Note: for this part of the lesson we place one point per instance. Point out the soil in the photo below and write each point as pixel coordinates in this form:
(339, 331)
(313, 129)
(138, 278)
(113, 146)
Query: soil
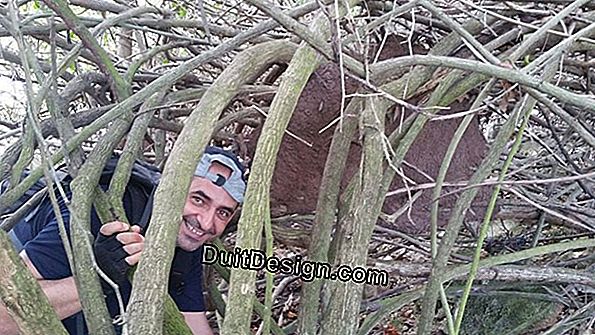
(299, 168)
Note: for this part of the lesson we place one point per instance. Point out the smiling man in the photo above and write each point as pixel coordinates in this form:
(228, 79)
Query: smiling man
(215, 193)
(214, 196)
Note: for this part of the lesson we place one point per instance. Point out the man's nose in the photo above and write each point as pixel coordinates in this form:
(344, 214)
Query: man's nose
(207, 224)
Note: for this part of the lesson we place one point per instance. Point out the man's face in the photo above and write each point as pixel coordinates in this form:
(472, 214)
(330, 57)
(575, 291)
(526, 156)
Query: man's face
(208, 210)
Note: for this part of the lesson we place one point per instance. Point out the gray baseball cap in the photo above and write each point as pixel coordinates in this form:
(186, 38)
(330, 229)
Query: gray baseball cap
(235, 185)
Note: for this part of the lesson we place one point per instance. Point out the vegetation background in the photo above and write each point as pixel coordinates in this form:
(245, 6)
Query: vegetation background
(476, 117)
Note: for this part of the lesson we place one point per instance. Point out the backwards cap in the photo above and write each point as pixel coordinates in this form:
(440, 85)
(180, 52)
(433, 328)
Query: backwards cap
(235, 184)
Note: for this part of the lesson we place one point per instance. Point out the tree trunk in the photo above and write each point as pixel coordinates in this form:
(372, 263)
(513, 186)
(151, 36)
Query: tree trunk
(150, 283)
(22, 295)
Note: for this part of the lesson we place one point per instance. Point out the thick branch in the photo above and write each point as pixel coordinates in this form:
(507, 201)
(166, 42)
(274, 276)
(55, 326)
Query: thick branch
(563, 95)
(22, 295)
(146, 302)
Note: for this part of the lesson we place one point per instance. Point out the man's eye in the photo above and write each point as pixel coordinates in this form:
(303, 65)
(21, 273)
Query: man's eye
(198, 200)
(224, 214)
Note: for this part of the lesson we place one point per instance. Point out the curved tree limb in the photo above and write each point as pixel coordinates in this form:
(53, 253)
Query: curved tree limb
(22, 295)
(146, 302)
(579, 100)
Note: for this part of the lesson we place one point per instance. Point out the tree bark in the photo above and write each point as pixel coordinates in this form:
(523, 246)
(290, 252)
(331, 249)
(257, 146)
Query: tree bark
(150, 283)
(22, 295)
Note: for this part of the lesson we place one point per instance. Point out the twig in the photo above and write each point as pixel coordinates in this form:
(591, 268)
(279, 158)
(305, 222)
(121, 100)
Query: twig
(339, 56)
(393, 303)
(578, 100)
(526, 106)
(574, 5)
(549, 211)
(465, 185)
(286, 131)
(475, 46)
(159, 84)
(567, 156)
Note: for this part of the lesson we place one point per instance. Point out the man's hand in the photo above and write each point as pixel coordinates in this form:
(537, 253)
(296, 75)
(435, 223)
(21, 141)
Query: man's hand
(117, 247)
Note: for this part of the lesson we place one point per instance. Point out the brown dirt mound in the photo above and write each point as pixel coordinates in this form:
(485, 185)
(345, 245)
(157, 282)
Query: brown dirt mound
(299, 168)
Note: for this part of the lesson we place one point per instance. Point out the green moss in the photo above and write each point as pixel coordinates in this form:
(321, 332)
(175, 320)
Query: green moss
(507, 313)
(174, 321)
